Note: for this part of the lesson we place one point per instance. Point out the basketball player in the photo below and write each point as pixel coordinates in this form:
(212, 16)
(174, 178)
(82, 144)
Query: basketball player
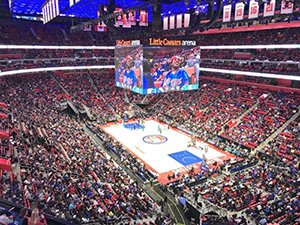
(159, 129)
(193, 141)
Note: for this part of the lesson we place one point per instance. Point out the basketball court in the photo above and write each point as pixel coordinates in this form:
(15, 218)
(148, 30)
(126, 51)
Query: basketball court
(164, 150)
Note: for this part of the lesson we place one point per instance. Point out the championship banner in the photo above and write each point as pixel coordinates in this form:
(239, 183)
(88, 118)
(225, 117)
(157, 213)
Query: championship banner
(253, 9)
(48, 12)
(227, 13)
(45, 14)
(125, 21)
(52, 9)
(143, 18)
(172, 22)
(100, 26)
(71, 3)
(269, 9)
(286, 7)
(119, 19)
(132, 18)
(186, 20)
(166, 23)
(239, 11)
(179, 21)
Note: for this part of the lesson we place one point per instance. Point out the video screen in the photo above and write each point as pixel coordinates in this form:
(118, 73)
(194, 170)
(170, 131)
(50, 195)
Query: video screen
(129, 68)
(170, 69)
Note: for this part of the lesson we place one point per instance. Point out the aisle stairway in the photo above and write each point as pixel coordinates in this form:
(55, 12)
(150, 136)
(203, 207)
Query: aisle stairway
(99, 93)
(278, 131)
(239, 119)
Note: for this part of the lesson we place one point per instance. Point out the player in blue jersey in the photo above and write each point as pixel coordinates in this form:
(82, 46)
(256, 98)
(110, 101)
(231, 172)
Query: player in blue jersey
(176, 78)
(129, 78)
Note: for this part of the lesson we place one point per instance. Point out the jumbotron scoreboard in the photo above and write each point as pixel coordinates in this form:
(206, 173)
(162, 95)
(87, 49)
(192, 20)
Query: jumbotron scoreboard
(161, 66)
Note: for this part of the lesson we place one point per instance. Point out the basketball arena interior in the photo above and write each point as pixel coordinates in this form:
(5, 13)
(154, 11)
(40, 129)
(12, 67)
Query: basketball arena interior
(149, 112)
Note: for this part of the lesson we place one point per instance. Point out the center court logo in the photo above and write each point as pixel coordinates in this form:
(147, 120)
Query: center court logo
(155, 139)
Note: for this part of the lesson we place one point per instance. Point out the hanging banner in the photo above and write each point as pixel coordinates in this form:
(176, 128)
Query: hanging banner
(166, 23)
(186, 20)
(172, 22)
(253, 9)
(239, 11)
(179, 21)
(101, 26)
(71, 3)
(143, 18)
(119, 19)
(132, 18)
(269, 9)
(286, 7)
(227, 13)
(125, 21)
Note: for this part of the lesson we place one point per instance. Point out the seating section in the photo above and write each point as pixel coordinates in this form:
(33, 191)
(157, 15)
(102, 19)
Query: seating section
(264, 120)
(252, 54)
(61, 166)
(285, 147)
(11, 59)
(262, 190)
(64, 157)
(36, 33)
(264, 67)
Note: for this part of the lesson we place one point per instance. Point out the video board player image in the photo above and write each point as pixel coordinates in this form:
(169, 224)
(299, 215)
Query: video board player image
(129, 68)
(171, 69)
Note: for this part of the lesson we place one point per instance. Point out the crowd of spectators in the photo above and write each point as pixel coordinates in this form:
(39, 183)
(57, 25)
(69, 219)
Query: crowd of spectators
(9, 54)
(55, 154)
(27, 58)
(273, 110)
(252, 54)
(61, 167)
(268, 194)
(256, 66)
(285, 147)
(278, 61)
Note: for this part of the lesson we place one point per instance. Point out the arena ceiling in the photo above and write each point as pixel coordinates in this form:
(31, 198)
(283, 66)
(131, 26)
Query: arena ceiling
(88, 8)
